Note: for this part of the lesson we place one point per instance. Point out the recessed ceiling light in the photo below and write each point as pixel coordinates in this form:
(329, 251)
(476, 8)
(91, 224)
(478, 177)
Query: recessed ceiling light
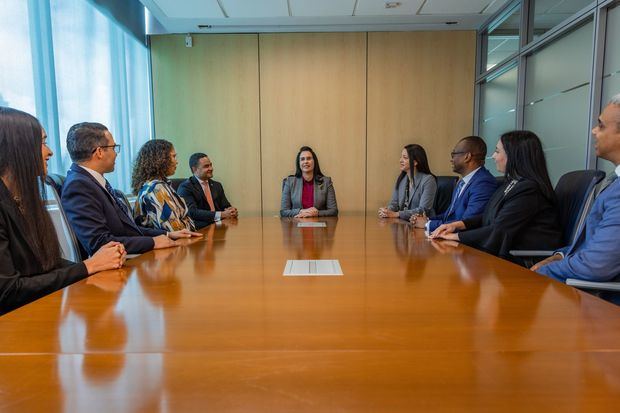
(392, 4)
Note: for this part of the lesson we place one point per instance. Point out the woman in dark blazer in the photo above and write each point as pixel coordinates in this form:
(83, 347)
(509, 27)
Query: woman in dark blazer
(416, 186)
(521, 213)
(30, 262)
(308, 193)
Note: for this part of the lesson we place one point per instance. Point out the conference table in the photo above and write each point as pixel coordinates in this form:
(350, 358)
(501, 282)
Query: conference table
(410, 325)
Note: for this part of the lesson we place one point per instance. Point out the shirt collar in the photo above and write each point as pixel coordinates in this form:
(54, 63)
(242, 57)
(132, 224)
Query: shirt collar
(617, 170)
(98, 177)
(470, 175)
(200, 181)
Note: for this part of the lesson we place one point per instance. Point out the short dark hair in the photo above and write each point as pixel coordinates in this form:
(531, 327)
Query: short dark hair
(194, 159)
(476, 146)
(83, 138)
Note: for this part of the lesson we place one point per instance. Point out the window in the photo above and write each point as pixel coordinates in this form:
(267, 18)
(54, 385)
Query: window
(97, 72)
(611, 67)
(550, 13)
(16, 76)
(502, 38)
(557, 99)
(498, 101)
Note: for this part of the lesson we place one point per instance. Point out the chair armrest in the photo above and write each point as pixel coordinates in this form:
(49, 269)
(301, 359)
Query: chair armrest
(531, 253)
(592, 285)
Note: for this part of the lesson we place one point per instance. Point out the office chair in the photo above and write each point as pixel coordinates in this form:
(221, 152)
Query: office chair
(175, 182)
(575, 195)
(443, 198)
(70, 249)
(56, 181)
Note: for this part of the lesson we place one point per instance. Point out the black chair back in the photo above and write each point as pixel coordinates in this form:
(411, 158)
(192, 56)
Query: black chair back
(55, 181)
(443, 198)
(175, 182)
(575, 194)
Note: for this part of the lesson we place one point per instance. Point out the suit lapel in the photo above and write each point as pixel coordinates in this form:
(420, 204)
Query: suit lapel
(122, 215)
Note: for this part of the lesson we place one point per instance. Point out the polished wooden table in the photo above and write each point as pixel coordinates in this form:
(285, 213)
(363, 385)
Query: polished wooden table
(412, 325)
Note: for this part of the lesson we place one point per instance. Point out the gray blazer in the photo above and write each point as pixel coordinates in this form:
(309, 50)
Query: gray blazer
(421, 196)
(324, 197)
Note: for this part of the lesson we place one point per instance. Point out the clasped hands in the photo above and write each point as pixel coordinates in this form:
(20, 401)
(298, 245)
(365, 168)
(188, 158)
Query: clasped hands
(307, 213)
(448, 231)
(168, 240)
(387, 213)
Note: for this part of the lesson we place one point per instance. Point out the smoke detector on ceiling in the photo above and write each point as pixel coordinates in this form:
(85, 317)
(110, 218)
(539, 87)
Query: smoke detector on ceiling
(392, 4)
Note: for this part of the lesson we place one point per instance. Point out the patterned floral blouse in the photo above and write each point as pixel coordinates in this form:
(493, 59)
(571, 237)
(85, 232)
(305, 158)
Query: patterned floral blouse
(159, 206)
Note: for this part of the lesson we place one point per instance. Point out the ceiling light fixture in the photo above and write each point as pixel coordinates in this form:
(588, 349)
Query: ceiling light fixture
(392, 4)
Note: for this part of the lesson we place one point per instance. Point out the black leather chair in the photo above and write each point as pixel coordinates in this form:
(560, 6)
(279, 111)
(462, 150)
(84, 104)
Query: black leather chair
(575, 194)
(175, 182)
(443, 198)
(69, 246)
(56, 181)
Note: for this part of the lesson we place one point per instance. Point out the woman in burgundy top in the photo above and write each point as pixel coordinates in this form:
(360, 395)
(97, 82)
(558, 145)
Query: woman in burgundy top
(308, 193)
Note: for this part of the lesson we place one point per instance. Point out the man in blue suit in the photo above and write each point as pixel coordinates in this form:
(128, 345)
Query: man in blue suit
(474, 189)
(594, 255)
(92, 206)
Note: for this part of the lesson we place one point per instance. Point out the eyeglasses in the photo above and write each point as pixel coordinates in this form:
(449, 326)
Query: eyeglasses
(455, 153)
(117, 148)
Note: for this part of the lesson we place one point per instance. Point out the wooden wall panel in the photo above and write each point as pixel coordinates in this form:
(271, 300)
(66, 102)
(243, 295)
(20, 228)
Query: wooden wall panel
(420, 90)
(313, 92)
(206, 100)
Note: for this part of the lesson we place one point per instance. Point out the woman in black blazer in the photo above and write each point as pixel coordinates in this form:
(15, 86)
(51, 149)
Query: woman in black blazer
(30, 262)
(521, 213)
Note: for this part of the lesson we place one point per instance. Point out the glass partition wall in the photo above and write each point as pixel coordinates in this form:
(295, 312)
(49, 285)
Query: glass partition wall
(549, 66)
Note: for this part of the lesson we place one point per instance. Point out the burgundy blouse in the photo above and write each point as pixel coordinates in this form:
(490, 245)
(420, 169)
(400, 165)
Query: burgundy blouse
(307, 194)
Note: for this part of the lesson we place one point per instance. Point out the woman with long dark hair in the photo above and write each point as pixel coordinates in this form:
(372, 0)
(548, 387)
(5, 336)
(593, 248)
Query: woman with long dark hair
(416, 186)
(158, 205)
(308, 193)
(521, 213)
(30, 261)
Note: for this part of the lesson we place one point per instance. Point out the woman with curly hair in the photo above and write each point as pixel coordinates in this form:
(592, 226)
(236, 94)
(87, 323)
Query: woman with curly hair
(158, 205)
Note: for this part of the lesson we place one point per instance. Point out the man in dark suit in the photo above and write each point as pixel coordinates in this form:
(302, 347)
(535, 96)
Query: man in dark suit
(594, 255)
(94, 211)
(205, 198)
(474, 189)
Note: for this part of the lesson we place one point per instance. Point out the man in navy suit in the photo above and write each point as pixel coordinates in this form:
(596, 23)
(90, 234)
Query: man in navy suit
(205, 198)
(474, 189)
(93, 209)
(594, 255)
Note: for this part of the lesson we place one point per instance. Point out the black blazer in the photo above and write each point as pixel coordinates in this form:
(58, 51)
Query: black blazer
(22, 279)
(521, 218)
(97, 219)
(199, 209)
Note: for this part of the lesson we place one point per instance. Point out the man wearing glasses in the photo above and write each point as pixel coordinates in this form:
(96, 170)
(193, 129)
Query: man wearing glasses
(94, 209)
(473, 190)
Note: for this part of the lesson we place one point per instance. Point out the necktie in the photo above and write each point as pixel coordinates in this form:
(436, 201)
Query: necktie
(582, 227)
(455, 196)
(118, 202)
(207, 191)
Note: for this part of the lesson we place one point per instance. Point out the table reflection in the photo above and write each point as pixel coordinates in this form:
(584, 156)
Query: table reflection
(308, 243)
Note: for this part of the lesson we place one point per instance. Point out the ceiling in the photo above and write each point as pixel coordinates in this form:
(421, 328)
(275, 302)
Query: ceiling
(243, 16)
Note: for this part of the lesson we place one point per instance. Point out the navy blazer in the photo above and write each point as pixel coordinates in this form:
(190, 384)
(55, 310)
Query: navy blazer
(97, 219)
(22, 278)
(518, 216)
(594, 254)
(199, 210)
(472, 201)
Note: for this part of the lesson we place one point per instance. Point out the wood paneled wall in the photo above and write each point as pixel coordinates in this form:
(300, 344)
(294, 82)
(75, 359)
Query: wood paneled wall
(206, 99)
(250, 101)
(420, 90)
